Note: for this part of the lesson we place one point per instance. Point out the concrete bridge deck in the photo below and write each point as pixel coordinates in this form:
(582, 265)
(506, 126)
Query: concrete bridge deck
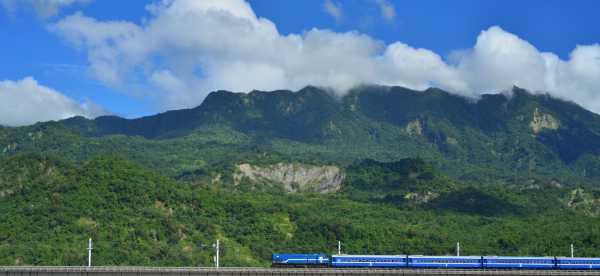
(233, 271)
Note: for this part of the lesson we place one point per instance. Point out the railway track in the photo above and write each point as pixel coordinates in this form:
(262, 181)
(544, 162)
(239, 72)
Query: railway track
(231, 271)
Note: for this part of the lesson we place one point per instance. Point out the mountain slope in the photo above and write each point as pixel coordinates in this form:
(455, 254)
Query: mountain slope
(403, 171)
(138, 217)
(498, 139)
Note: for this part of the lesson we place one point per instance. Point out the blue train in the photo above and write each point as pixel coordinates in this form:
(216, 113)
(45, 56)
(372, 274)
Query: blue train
(417, 261)
(300, 260)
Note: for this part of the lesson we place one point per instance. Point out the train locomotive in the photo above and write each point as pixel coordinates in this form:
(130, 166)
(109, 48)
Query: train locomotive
(300, 260)
(418, 261)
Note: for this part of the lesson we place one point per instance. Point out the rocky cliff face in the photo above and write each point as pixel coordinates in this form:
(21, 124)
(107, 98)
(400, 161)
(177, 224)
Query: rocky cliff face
(292, 178)
(414, 128)
(543, 121)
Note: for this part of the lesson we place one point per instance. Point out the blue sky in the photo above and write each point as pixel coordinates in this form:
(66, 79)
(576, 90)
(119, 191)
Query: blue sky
(444, 26)
(53, 45)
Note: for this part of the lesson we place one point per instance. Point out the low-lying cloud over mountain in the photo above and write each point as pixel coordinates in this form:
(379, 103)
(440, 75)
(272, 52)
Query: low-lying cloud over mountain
(187, 48)
(26, 102)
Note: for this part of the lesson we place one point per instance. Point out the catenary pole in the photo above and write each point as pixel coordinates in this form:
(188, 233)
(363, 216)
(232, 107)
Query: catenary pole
(89, 252)
(572, 251)
(458, 249)
(217, 254)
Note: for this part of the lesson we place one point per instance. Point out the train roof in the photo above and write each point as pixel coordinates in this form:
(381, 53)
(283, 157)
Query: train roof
(404, 256)
(370, 256)
(298, 254)
(518, 257)
(444, 257)
(578, 258)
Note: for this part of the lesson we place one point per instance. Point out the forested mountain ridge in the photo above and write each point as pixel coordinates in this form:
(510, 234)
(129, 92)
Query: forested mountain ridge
(500, 138)
(386, 170)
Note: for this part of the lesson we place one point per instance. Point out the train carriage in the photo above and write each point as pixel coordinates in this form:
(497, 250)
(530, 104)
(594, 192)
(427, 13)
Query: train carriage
(519, 262)
(445, 261)
(577, 263)
(383, 261)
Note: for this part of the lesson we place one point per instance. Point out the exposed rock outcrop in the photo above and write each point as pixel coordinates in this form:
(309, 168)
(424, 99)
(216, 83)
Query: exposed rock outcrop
(583, 201)
(292, 178)
(543, 121)
(414, 127)
(419, 198)
(10, 148)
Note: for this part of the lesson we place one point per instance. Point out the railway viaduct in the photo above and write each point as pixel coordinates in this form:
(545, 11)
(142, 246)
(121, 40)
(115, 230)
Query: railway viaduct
(172, 271)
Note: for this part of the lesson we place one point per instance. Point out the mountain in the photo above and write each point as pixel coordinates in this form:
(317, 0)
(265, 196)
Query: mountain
(386, 170)
(49, 207)
(510, 138)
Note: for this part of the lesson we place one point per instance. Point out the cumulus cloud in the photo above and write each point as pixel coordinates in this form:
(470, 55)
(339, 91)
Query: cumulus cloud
(43, 8)
(113, 46)
(24, 102)
(187, 48)
(333, 9)
(387, 9)
(500, 59)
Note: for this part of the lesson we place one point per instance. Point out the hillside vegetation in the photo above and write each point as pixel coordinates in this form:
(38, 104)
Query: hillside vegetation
(496, 140)
(386, 170)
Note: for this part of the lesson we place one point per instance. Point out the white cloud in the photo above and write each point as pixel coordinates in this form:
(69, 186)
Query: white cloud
(113, 46)
(419, 69)
(333, 9)
(387, 9)
(500, 59)
(43, 8)
(187, 48)
(25, 102)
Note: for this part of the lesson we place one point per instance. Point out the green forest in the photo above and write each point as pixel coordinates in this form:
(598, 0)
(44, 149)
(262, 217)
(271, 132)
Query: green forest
(138, 217)
(407, 172)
